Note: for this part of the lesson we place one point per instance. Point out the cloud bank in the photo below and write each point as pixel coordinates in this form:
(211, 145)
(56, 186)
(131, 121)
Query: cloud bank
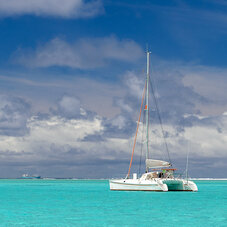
(73, 145)
(54, 8)
(71, 140)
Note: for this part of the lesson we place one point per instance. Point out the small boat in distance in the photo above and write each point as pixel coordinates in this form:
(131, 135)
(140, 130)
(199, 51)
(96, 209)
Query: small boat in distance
(27, 176)
(159, 175)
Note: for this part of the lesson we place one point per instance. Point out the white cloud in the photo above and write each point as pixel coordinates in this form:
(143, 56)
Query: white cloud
(82, 54)
(135, 84)
(119, 122)
(58, 139)
(123, 105)
(204, 141)
(55, 8)
(14, 112)
(69, 106)
(54, 130)
(208, 81)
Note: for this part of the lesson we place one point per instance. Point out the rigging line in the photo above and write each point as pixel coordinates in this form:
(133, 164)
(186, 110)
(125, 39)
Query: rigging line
(133, 149)
(187, 164)
(160, 119)
(141, 148)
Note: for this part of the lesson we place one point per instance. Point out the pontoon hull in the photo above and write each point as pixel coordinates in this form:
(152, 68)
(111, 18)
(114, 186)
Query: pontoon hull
(180, 185)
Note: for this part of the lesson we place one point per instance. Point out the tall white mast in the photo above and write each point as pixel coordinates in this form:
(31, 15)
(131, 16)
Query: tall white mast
(187, 164)
(147, 105)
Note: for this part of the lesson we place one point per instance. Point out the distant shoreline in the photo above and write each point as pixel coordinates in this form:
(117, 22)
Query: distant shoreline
(101, 179)
(208, 178)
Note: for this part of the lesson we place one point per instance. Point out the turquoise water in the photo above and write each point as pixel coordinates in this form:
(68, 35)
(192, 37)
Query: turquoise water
(91, 203)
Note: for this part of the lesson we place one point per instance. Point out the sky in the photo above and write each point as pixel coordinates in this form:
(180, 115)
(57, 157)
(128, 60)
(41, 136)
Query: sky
(71, 81)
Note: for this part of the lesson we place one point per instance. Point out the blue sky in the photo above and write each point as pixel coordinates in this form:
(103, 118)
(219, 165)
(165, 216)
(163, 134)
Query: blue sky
(71, 78)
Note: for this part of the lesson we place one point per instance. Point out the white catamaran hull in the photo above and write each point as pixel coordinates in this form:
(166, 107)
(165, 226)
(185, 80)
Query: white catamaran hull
(136, 185)
(152, 185)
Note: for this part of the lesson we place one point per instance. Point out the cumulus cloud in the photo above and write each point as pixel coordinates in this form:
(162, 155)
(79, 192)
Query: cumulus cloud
(69, 106)
(14, 112)
(54, 8)
(57, 141)
(204, 140)
(64, 142)
(82, 54)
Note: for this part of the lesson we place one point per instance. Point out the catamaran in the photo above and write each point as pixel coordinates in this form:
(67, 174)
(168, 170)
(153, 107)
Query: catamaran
(159, 174)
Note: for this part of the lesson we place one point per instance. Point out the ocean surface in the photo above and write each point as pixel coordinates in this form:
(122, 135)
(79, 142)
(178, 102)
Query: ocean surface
(91, 203)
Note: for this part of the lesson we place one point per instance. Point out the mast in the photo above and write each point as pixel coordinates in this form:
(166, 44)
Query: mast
(187, 165)
(147, 106)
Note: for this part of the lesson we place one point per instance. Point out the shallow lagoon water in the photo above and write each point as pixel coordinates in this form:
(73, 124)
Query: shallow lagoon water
(91, 203)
